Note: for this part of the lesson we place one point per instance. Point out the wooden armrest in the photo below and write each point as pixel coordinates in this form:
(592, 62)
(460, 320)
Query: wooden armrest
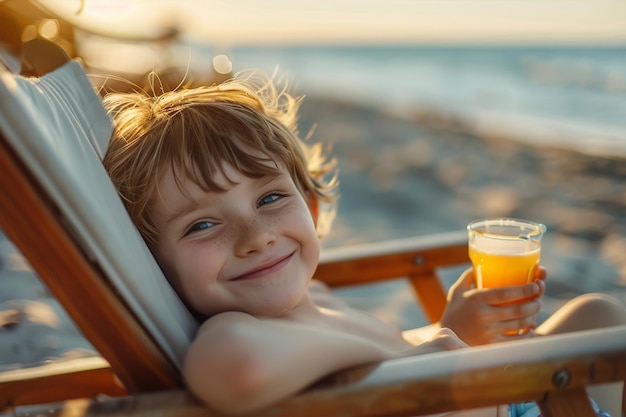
(57, 381)
(391, 259)
(416, 259)
(544, 369)
(551, 370)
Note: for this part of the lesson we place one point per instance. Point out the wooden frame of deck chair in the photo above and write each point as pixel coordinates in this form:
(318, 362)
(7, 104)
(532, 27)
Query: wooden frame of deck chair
(84, 247)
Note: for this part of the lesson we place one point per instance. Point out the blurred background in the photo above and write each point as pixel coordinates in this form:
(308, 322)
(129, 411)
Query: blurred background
(438, 112)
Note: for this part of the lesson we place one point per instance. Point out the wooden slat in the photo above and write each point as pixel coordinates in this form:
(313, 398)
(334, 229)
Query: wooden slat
(568, 403)
(389, 260)
(430, 294)
(29, 220)
(395, 389)
(59, 381)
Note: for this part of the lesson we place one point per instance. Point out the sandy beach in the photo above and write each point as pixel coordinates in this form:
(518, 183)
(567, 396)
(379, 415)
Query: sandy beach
(403, 177)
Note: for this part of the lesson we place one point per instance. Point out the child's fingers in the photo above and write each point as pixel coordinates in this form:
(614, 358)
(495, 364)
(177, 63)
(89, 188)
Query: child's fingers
(505, 295)
(542, 287)
(496, 315)
(540, 273)
(520, 311)
(464, 283)
(511, 328)
(507, 331)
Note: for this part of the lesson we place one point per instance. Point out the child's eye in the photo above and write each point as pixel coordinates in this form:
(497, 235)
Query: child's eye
(270, 198)
(199, 226)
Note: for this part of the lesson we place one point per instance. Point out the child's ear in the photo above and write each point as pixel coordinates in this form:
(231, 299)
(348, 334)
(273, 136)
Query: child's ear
(313, 203)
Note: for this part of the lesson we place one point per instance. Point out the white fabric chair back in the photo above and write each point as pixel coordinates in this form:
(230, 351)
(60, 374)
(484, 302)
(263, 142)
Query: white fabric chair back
(58, 127)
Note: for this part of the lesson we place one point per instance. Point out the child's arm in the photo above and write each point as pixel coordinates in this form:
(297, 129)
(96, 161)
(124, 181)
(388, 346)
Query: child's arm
(238, 363)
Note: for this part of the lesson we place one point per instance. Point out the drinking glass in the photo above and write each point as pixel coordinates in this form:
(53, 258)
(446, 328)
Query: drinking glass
(504, 251)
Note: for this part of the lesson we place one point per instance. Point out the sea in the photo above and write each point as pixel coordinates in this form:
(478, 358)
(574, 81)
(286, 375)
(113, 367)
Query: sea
(566, 96)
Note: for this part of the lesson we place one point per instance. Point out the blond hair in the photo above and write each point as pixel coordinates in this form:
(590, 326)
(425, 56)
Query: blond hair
(244, 122)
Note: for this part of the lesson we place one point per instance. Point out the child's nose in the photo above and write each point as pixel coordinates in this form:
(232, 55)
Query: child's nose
(254, 237)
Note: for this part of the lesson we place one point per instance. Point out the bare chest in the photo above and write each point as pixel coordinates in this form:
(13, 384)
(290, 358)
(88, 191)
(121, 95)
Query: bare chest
(338, 315)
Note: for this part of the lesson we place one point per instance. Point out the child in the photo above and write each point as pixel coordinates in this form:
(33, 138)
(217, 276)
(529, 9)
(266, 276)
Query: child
(230, 201)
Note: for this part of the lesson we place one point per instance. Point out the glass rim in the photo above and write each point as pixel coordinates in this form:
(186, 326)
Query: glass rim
(536, 232)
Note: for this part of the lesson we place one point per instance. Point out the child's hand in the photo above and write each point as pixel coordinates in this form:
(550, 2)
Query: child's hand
(483, 316)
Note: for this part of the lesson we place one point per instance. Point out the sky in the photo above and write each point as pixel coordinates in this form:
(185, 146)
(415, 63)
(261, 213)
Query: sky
(356, 21)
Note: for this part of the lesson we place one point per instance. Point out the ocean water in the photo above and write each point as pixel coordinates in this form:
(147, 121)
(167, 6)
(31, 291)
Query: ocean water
(574, 97)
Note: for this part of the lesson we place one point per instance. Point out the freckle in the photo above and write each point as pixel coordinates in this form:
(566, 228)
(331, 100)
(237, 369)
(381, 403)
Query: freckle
(222, 243)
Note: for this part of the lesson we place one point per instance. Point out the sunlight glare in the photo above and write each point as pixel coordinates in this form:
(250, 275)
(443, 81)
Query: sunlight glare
(222, 64)
(119, 18)
(49, 29)
(120, 57)
(29, 33)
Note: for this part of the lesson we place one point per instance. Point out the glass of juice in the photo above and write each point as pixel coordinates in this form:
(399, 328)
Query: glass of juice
(504, 251)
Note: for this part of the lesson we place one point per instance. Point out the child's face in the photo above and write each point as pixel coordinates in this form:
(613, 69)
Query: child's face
(252, 248)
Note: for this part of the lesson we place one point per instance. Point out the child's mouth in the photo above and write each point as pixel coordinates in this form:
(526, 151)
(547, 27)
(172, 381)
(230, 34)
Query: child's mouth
(265, 269)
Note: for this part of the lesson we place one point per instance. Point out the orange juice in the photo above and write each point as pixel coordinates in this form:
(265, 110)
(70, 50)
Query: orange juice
(501, 263)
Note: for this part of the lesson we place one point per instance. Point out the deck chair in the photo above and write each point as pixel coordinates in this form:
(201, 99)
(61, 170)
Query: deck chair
(59, 208)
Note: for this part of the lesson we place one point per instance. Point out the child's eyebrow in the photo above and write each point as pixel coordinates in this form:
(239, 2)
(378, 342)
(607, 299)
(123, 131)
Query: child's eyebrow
(184, 209)
(266, 179)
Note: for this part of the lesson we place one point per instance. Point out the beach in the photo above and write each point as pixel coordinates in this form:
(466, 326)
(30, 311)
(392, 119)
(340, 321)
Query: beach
(403, 176)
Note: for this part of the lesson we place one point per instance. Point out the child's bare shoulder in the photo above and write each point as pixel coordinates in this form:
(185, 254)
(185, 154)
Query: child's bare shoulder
(222, 320)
